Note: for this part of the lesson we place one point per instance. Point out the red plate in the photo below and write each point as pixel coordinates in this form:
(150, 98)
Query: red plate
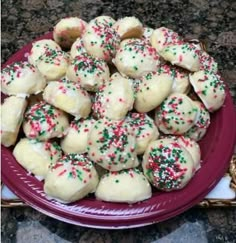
(217, 148)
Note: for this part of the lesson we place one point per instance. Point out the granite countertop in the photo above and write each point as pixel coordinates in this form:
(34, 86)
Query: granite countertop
(210, 21)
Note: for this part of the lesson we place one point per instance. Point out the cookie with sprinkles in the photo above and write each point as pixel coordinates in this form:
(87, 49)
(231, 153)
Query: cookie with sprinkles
(53, 64)
(153, 88)
(72, 178)
(43, 121)
(101, 41)
(89, 71)
(199, 129)
(102, 21)
(163, 37)
(111, 144)
(69, 97)
(21, 79)
(176, 114)
(210, 89)
(183, 55)
(36, 156)
(67, 30)
(128, 27)
(191, 146)
(167, 165)
(114, 99)
(145, 130)
(126, 186)
(135, 59)
(76, 139)
(39, 48)
(147, 32)
(77, 48)
(207, 62)
(12, 112)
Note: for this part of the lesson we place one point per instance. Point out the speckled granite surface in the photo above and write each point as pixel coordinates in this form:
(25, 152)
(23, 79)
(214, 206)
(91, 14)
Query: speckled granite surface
(212, 22)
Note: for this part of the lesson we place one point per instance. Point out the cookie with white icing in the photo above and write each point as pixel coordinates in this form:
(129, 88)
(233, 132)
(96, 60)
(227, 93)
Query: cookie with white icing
(126, 186)
(69, 97)
(90, 72)
(128, 27)
(102, 21)
(12, 112)
(176, 114)
(167, 165)
(43, 121)
(199, 129)
(163, 37)
(144, 128)
(67, 30)
(76, 139)
(101, 41)
(153, 88)
(39, 48)
(207, 62)
(210, 89)
(136, 59)
(53, 64)
(111, 144)
(114, 99)
(77, 48)
(36, 156)
(184, 55)
(72, 178)
(21, 79)
(147, 33)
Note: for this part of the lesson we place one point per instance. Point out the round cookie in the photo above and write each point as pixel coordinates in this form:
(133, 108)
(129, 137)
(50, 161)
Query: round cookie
(144, 128)
(126, 186)
(167, 165)
(136, 59)
(207, 62)
(183, 55)
(76, 139)
(198, 130)
(102, 21)
(77, 48)
(111, 144)
(101, 41)
(114, 99)
(67, 30)
(39, 48)
(210, 89)
(21, 79)
(163, 37)
(71, 178)
(128, 27)
(69, 97)
(90, 72)
(43, 121)
(191, 146)
(36, 156)
(176, 115)
(12, 112)
(152, 90)
(53, 64)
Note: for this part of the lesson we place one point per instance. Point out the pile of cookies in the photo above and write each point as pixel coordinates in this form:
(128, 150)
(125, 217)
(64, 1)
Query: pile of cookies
(110, 107)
